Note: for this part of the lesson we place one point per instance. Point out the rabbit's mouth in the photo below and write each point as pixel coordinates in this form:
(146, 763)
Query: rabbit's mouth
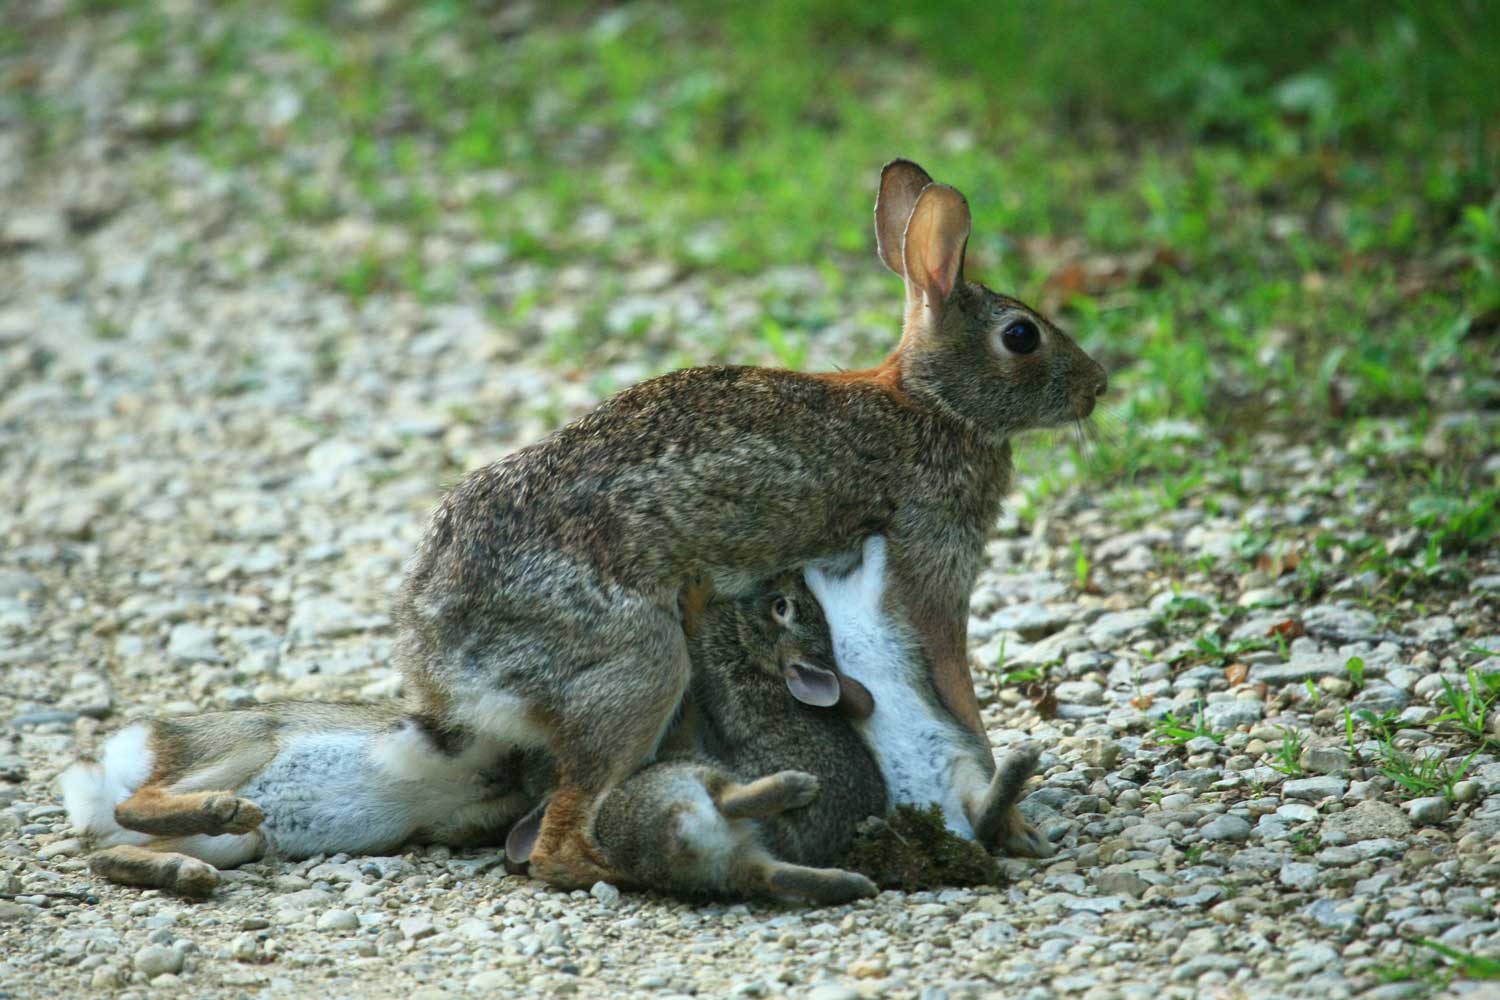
(1084, 401)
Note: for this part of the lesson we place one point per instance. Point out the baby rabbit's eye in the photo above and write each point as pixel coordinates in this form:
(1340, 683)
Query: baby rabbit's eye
(1020, 336)
(781, 610)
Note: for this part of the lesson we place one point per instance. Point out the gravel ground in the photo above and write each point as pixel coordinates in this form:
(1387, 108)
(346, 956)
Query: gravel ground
(217, 466)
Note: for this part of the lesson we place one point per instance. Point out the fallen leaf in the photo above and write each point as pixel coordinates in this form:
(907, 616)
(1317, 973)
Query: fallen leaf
(1288, 630)
(1043, 697)
(1276, 565)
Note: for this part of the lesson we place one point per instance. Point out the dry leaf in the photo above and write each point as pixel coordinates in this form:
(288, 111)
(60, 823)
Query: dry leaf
(1283, 562)
(1043, 697)
(1288, 630)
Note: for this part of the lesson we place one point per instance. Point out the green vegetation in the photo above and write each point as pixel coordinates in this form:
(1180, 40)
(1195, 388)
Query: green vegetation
(1268, 217)
(1465, 964)
(1469, 707)
(1420, 776)
(1171, 728)
(912, 849)
(1288, 756)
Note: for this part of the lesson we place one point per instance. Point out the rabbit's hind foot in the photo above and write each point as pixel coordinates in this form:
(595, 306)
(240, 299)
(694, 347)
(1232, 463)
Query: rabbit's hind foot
(767, 796)
(564, 854)
(128, 864)
(823, 886)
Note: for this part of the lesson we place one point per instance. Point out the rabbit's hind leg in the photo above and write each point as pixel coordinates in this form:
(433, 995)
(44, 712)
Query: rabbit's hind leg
(758, 873)
(998, 822)
(766, 796)
(145, 868)
(614, 714)
(152, 809)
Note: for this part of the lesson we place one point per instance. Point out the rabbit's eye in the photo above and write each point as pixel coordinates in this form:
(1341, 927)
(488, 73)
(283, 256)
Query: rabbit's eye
(1021, 337)
(781, 610)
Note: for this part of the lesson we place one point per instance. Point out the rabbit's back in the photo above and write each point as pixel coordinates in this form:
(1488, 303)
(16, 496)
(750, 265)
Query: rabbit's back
(699, 470)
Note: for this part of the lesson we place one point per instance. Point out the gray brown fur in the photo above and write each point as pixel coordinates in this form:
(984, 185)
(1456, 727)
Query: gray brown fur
(751, 725)
(553, 575)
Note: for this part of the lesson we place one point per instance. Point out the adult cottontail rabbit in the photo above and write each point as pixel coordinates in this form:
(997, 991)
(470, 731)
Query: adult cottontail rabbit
(172, 800)
(541, 607)
(925, 754)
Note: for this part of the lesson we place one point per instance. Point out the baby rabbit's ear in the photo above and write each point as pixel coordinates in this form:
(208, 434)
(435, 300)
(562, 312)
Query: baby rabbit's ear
(522, 837)
(810, 684)
(901, 181)
(934, 246)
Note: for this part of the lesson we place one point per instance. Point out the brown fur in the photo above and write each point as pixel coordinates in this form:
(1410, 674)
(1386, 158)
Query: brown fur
(155, 868)
(153, 810)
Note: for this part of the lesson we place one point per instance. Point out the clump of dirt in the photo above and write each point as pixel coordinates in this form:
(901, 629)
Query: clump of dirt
(912, 849)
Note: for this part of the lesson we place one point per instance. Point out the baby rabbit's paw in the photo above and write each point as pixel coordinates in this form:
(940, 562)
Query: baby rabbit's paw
(824, 886)
(767, 796)
(1022, 840)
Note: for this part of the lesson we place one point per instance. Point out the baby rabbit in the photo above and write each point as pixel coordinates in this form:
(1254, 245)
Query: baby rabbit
(173, 800)
(541, 607)
(770, 783)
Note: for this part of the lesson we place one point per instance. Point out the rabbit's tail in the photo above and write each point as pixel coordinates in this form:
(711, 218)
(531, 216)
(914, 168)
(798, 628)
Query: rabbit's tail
(91, 790)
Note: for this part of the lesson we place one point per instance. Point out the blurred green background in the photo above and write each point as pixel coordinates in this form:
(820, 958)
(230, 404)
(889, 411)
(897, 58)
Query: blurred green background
(1264, 217)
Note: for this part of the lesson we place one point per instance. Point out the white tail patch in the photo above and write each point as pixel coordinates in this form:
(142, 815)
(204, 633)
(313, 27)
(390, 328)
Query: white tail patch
(498, 715)
(91, 791)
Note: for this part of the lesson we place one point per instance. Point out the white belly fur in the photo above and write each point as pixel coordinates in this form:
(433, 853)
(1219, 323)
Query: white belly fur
(918, 748)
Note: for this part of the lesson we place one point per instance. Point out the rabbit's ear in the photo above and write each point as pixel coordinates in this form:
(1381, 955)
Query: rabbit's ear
(900, 183)
(934, 246)
(856, 703)
(811, 685)
(522, 837)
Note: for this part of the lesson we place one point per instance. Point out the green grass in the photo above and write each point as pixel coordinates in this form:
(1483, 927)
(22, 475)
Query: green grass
(1465, 964)
(1416, 777)
(1469, 708)
(1288, 756)
(1178, 730)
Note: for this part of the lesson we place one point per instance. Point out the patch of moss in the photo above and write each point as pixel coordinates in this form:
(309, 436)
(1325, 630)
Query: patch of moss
(912, 849)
